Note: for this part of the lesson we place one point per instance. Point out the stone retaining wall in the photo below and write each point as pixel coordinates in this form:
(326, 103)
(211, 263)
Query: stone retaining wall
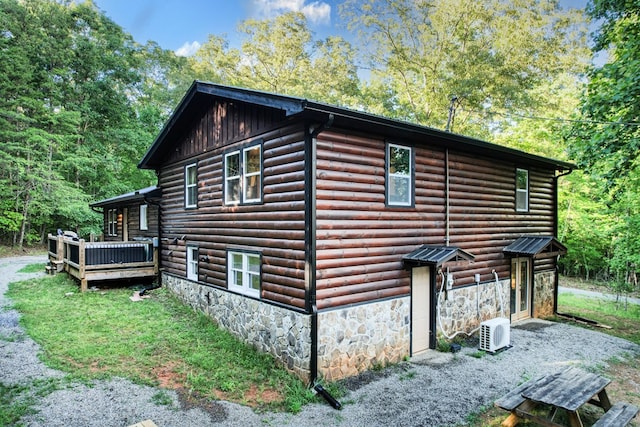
(271, 329)
(358, 338)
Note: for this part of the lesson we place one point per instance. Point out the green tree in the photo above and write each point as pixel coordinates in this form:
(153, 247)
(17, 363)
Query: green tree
(605, 140)
(489, 55)
(280, 55)
(80, 102)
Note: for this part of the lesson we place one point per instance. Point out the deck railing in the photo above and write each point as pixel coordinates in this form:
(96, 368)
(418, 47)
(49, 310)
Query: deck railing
(93, 261)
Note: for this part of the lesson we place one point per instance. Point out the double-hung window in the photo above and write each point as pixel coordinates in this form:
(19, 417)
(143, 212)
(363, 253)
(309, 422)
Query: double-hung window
(244, 273)
(112, 222)
(522, 190)
(144, 223)
(191, 186)
(399, 175)
(243, 175)
(192, 263)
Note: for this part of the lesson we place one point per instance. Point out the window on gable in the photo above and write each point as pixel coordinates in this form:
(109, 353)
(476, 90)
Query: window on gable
(399, 175)
(232, 177)
(522, 190)
(144, 224)
(192, 263)
(243, 175)
(191, 186)
(112, 222)
(244, 273)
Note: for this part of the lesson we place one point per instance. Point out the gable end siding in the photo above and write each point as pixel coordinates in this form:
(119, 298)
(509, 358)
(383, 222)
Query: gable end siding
(220, 122)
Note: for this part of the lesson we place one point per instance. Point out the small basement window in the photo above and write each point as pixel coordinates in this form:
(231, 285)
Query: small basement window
(244, 275)
(522, 190)
(192, 263)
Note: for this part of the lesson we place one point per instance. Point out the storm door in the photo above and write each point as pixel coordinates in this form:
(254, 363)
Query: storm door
(520, 288)
(420, 309)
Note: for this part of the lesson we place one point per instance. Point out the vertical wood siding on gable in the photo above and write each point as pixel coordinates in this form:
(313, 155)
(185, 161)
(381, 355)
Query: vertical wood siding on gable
(219, 123)
(275, 227)
(361, 241)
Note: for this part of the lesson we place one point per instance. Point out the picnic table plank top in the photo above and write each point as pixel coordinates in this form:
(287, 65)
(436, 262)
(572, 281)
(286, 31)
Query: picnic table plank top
(568, 389)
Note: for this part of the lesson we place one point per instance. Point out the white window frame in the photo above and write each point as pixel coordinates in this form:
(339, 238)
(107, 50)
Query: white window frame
(392, 176)
(244, 273)
(243, 176)
(144, 221)
(112, 222)
(228, 179)
(188, 186)
(246, 175)
(522, 193)
(192, 263)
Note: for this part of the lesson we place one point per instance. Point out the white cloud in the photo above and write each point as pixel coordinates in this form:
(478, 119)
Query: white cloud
(188, 49)
(317, 12)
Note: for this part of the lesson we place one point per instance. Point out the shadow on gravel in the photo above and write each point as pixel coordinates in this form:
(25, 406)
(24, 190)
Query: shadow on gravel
(190, 400)
(531, 326)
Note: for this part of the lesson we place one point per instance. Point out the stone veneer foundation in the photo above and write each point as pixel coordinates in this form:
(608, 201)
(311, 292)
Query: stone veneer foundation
(358, 338)
(464, 308)
(351, 339)
(285, 334)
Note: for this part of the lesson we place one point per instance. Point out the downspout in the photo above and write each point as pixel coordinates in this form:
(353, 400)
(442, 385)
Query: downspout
(312, 133)
(446, 197)
(556, 281)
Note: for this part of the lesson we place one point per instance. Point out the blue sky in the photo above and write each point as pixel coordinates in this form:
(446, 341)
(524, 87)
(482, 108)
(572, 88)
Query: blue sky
(176, 24)
(182, 25)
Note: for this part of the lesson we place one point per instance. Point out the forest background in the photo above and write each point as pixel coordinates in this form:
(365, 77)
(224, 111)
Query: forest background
(81, 100)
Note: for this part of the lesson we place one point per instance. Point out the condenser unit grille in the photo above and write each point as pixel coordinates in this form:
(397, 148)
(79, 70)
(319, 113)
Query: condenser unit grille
(494, 334)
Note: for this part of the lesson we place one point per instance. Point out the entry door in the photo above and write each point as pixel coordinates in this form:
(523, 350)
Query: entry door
(420, 309)
(520, 288)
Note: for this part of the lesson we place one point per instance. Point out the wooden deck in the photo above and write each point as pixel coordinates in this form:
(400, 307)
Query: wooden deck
(97, 261)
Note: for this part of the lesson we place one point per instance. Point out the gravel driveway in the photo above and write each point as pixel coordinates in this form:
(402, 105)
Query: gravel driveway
(440, 390)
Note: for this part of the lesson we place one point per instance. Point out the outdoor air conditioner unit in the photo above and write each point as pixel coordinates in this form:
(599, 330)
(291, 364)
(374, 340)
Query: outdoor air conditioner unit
(494, 334)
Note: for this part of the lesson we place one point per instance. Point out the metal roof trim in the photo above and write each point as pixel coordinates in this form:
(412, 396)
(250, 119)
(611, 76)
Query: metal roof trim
(152, 191)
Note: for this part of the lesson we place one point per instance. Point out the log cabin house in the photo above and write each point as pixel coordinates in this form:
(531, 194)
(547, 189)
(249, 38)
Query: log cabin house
(338, 240)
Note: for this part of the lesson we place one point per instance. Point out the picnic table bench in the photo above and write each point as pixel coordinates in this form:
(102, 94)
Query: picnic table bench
(568, 389)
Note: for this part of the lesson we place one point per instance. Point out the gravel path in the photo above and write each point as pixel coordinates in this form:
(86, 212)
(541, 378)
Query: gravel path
(438, 390)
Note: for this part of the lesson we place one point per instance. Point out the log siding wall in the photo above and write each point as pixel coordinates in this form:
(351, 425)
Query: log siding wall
(361, 241)
(275, 228)
(133, 222)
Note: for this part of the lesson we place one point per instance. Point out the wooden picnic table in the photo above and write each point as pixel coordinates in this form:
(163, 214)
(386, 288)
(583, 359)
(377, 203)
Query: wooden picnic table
(568, 389)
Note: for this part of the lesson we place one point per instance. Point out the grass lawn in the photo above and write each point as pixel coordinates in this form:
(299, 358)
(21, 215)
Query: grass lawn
(158, 341)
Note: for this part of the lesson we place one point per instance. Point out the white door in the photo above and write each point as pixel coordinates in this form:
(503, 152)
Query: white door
(420, 313)
(520, 288)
